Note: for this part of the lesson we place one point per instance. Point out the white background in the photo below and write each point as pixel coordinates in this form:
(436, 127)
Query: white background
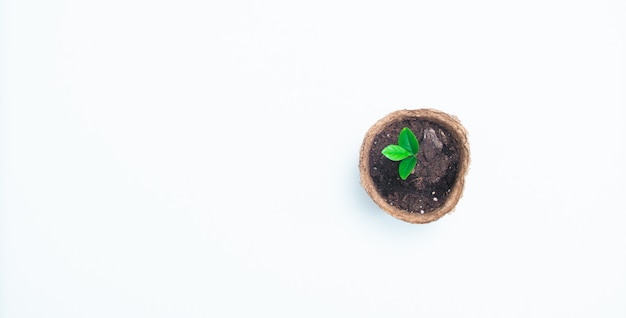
(200, 158)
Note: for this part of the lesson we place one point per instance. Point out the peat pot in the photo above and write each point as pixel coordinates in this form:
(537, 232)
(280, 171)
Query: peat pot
(436, 184)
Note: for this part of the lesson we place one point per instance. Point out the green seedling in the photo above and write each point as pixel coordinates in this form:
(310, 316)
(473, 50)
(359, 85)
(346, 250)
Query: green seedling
(405, 152)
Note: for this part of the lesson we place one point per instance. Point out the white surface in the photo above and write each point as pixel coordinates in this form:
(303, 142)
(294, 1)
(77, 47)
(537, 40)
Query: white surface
(199, 159)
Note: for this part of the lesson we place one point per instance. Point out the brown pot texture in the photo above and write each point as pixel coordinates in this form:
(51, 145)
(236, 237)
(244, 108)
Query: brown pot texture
(436, 184)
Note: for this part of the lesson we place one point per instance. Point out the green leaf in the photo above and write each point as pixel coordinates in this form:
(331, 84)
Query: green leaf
(407, 140)
(395, 152)
(406, 166)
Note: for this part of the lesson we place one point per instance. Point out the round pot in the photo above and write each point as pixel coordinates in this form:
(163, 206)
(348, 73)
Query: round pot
(436, 184)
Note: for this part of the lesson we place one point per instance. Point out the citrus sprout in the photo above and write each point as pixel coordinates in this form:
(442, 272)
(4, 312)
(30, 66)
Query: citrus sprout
(405, 152)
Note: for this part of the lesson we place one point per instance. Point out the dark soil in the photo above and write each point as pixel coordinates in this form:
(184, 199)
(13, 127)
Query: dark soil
(428, 187)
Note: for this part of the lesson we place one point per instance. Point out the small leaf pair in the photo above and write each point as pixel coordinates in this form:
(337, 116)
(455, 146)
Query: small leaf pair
(405, 152)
